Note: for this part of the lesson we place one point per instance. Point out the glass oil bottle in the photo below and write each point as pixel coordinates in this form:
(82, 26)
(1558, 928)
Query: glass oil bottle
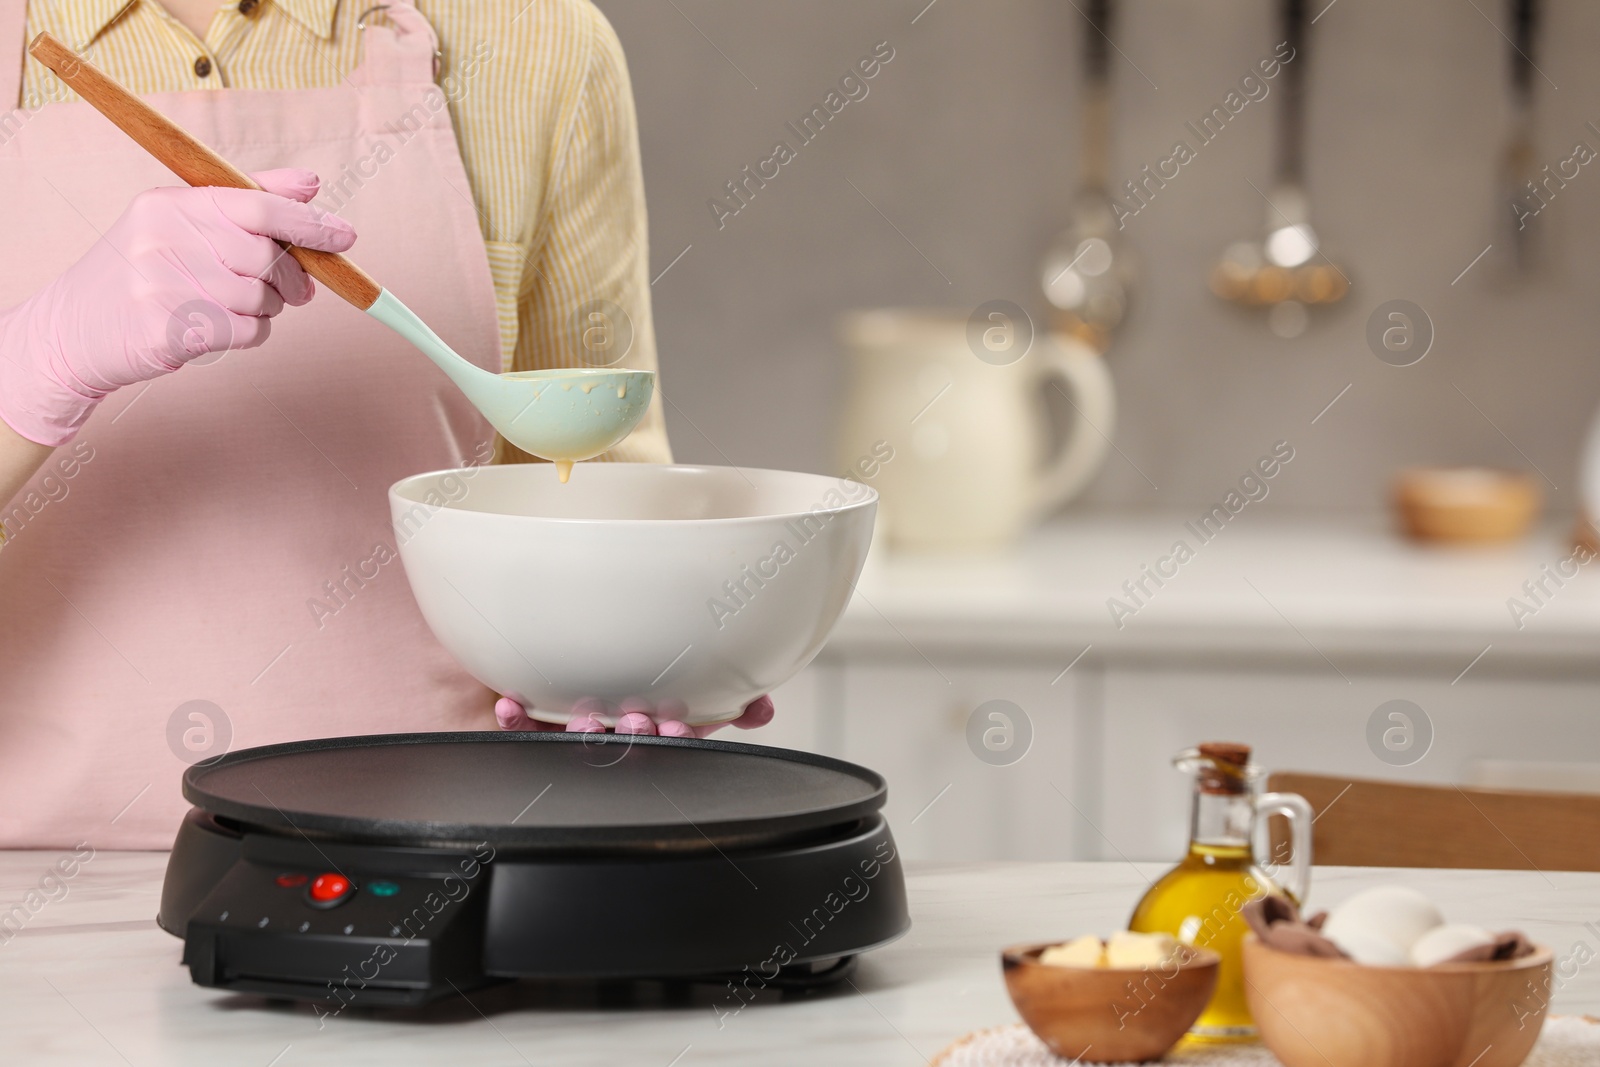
(1199, 901)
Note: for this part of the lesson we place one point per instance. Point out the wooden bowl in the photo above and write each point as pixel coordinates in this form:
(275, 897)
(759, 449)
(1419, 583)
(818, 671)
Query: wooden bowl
(1108, 1014)
(1316, 1012)
(1465, 505)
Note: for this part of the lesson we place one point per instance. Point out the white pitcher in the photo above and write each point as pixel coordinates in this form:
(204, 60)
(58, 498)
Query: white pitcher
(958, 400)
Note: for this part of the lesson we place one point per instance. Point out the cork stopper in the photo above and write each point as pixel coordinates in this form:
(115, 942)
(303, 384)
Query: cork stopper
(1223, 768)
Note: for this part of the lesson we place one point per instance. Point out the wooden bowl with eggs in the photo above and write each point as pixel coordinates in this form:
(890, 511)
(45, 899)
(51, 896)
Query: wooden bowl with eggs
(1319, 1012)
(1109, 1014)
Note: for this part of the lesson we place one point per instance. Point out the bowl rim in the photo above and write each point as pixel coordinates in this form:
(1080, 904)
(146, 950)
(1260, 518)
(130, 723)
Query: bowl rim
(1480, 473)
(397, 498)
(1541, 955)
(1026, 954)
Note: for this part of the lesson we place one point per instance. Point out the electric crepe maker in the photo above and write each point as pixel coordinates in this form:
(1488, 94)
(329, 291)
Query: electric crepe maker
(393, 870)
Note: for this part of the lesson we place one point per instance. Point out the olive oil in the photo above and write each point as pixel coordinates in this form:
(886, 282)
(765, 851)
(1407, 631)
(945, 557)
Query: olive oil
(1200, 901)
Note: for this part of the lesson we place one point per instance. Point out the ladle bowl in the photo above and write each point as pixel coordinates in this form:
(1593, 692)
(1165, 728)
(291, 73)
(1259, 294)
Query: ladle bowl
(693, 589)
(564, 414)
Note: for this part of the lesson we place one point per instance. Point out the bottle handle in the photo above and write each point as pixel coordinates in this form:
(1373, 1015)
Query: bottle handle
(1293, 807)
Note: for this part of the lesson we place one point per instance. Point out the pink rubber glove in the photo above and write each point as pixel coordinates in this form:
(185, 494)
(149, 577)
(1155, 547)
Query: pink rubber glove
(181, 274)
(639, 717)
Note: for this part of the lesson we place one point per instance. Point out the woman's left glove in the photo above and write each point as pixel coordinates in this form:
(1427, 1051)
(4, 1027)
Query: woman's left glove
(638, 717)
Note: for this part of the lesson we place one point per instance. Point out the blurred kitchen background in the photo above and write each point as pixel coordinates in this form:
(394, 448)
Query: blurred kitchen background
(1302, 621)
(968, 142)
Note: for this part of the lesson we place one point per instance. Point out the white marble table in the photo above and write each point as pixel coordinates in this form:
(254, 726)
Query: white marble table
(90, 979)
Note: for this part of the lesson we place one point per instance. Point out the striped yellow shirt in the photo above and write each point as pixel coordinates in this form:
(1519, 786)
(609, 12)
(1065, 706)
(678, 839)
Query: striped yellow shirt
(547, 132)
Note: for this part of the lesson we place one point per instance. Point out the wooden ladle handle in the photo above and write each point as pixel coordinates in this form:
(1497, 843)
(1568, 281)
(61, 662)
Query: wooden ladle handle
(187, 157)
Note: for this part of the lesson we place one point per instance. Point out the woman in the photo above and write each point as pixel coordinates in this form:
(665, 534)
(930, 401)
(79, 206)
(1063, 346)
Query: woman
(203, 561)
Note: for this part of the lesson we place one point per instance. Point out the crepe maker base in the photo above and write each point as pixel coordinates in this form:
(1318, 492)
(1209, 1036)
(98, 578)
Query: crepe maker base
(463, 858)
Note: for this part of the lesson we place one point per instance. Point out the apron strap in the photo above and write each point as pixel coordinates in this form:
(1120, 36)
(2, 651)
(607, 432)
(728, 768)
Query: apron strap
(13, 27)
(401, 48)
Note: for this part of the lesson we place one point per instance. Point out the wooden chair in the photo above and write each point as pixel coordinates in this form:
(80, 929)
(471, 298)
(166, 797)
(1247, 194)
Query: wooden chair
(1386, 824)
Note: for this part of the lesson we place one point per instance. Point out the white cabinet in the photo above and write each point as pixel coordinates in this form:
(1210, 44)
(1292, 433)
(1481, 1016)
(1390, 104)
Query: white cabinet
(803, 706)
(1311, 720)
(1097, 781)
(1234, 651)
(955, 798)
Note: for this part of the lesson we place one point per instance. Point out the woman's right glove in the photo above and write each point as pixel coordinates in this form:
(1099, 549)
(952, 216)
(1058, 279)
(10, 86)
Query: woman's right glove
(181, 274)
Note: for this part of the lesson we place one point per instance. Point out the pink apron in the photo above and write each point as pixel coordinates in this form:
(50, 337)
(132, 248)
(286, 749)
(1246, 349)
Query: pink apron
(210, 565)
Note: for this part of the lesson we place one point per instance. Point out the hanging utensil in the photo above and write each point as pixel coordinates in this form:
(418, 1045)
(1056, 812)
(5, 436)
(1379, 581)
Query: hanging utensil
(1282, 272)
(1088, 272)
(562, 415)
(1518, 168)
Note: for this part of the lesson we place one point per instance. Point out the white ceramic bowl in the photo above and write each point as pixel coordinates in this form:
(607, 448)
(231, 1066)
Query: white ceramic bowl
(697, 588)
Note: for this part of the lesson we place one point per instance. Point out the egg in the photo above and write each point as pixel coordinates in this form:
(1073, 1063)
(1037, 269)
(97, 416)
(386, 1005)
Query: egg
(1367, 946)
(1391, 913)
(1443, 942)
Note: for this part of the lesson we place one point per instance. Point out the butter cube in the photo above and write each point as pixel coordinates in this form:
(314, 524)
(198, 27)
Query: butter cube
(1085, 951)
(1130, 950)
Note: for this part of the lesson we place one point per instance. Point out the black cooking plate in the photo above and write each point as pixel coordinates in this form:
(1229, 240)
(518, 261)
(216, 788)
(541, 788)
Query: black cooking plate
(534, 790)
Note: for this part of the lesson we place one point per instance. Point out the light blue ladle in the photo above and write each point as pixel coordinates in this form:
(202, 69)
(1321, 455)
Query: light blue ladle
(561, 415)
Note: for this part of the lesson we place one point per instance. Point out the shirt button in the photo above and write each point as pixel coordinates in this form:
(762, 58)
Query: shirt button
(248, 7)
(202, 67)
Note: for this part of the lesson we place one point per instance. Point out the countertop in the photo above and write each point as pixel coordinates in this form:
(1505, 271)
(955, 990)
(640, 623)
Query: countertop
(90, 979)
(1292, 586)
